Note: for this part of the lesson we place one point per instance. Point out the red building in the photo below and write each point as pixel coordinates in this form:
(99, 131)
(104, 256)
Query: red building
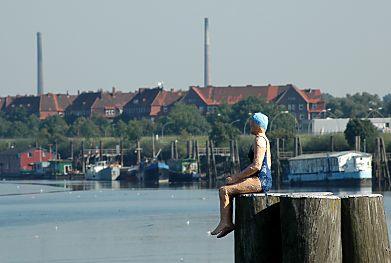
(14, 161)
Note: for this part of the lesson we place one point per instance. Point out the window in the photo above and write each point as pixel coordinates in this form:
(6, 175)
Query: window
(301, 117)
(301, 106)
(289, 107)
(293, 107)
(29, 155)
(314, 106)
(165, 109)
(387, 124)
(135, 101)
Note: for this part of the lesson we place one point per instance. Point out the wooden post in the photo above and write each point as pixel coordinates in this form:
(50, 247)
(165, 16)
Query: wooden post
(153, 146)
(213, 161)
(257, 229)
(237, 158)
(357, 143)
(364, 229)
(197, 156)
(172, 150)
(207, 152)
(311, 229)
(138, 149)
(83, 166)
(231, 157)
(277, 165)
(332, 143)
(175, 149)
(121, 150)
(188, 149)
(100, 150)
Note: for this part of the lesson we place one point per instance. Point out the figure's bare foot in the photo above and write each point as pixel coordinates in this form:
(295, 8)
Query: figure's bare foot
(225, 231)
(217, 229)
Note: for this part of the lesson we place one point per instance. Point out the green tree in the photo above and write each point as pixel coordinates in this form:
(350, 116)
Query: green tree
(103, 124)
(134, 131)
(54, 129)
(363, 128)
(188, 118)
(84, 127)
(221, 133)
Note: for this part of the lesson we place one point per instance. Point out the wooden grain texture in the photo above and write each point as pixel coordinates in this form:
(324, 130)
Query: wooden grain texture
(311, 229)
(364, 229)
(257, 229)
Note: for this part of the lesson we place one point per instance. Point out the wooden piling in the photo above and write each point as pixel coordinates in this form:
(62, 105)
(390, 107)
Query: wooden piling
(121, 152)
(257, 229)
(364, 229)
(207, 152)
(236, 153)
(83, 165)
(311, 229)
(197, 155)
(138, 149)
(332, 143)
(213, 161)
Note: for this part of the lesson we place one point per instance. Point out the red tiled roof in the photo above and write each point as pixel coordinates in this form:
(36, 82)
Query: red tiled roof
(233, 94)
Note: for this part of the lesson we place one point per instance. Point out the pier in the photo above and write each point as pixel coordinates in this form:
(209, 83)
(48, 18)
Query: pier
(311, 227)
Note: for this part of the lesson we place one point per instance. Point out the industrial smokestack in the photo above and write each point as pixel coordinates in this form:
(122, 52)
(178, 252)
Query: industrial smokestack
(39, 65)
(206, 55)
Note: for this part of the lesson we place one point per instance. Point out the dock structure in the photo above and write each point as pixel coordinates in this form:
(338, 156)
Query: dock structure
(311, 227)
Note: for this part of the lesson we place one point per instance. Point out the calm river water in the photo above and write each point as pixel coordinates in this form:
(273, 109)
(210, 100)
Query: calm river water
(64, 222)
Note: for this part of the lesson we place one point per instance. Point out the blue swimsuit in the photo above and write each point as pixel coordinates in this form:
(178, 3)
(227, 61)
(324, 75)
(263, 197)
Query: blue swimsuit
(264, 175)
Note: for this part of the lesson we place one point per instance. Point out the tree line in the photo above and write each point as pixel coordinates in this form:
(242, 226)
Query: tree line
(358, 105)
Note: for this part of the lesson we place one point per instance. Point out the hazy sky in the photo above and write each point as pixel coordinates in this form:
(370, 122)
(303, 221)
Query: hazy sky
(339, 46)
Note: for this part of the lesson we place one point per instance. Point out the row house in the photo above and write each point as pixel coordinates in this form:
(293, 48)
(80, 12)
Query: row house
(43, 106)
(208, 99)
(4, 102)
(103, 104)
(150, 103)
(304, 104)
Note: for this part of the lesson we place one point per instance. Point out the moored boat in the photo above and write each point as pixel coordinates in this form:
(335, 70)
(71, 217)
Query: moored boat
(183, 170)
(103, 171)
(349, 167)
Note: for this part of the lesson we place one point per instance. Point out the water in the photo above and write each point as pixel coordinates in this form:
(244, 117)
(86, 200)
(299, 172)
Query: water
(43, 221)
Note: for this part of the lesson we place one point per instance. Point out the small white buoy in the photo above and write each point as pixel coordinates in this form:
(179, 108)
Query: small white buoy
(172, 196)
(203, 198)
(188, 222)
(36, 236)
(17, 187)
(181, 260)
(209, 233)
(56, 228)
(41, 190)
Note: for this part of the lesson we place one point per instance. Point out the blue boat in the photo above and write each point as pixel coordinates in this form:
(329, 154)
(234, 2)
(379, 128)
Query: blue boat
(152, 172)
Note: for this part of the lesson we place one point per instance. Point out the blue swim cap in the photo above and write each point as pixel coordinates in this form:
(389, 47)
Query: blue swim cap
(260, 119)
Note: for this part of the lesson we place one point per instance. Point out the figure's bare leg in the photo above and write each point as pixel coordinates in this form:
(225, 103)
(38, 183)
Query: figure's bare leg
(226, 193)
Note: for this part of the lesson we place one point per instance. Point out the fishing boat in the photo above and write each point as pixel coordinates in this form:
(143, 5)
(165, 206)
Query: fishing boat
(183, 170)
(348, 167)
(102, 171)
(154, 171)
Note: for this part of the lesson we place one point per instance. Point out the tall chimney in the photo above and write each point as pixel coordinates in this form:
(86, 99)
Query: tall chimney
(39, 65)
(206, 55)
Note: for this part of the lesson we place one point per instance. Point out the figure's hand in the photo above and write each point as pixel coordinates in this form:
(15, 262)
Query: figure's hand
(230, 180)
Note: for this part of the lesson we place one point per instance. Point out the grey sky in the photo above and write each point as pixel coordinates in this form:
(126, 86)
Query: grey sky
(338, 46)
